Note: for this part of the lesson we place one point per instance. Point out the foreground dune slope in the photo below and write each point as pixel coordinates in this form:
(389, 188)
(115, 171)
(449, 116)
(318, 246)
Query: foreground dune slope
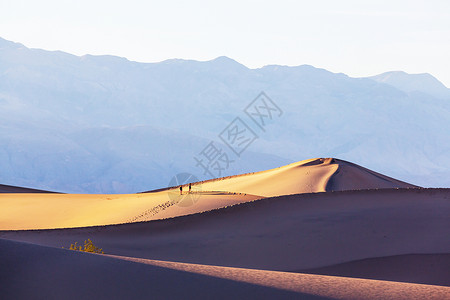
(29, 210)
(287, 233)
(32, 271)
(324, 286)
(35, 272)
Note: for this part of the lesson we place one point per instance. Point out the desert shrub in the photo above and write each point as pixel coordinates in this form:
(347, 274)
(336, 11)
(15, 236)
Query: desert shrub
(88, 247)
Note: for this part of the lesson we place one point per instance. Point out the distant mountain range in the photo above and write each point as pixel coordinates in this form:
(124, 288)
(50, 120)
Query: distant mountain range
(418, 83)
(103, 124)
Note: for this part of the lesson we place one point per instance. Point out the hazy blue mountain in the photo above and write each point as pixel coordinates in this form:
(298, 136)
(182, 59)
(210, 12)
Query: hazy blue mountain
(424, 83)
(106, 124)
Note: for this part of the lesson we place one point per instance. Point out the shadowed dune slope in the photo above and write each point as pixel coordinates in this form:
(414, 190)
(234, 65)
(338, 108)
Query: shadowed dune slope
(286, 233)
(16, 189)
(34, 272)
(37, 272)
(350, 176)
(416, 268)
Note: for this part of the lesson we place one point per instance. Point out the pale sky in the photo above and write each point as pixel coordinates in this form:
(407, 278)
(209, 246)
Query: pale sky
(358, 38)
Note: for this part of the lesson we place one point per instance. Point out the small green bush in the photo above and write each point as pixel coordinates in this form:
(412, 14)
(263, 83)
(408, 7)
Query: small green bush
(88, 247)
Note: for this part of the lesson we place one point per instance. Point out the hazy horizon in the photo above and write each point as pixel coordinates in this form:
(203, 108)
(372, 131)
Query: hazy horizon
(405, 35)
(231, 58)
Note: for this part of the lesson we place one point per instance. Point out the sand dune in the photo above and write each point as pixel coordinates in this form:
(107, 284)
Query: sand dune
(287, 233)
(323, 286)
(35, 272)
(46, 211)
(416, 268)
(325, 216)
(308, 176)
(33, 211)
(42, 273)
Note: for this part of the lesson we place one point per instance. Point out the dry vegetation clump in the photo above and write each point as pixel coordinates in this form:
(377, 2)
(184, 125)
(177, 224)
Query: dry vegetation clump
(88, 247)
